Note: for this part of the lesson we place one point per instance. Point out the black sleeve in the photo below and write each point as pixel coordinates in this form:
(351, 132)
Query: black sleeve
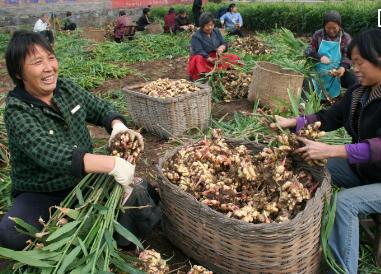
(333, 118)
(221, 39)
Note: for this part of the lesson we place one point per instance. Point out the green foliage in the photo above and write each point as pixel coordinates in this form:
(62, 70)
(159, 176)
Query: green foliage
(147, 47)
(297, 17)
(77, 62)
(4, 38)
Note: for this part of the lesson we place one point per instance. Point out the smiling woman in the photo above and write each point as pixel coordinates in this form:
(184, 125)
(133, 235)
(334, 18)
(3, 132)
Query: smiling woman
(46, 119)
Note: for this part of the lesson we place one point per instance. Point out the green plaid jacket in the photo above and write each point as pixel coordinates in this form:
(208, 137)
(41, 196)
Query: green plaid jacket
(47, 144)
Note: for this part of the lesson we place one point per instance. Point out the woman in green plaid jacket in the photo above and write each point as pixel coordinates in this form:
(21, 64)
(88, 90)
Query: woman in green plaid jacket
(46, 119)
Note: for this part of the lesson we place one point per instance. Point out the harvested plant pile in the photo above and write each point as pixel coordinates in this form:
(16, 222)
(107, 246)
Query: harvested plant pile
(164, 88)
(152, 263)
(251, 45)
(125, 146)
(264, 188)
(198, 269)
(235, 84)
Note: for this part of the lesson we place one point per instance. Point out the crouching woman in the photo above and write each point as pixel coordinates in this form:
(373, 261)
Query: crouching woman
(207, 49)
(46, 120)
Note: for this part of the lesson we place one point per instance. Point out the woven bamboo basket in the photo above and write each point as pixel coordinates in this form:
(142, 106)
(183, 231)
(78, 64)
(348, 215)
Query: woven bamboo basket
(227, 245)
(154, 28)
(270, 83)
(168, 117)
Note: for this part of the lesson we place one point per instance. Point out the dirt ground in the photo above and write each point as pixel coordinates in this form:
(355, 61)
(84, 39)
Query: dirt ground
(155, 147)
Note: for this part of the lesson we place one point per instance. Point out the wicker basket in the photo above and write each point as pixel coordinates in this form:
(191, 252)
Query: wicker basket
(154, 28)
(270, 84)
(97, 35)
(168, 117)
(227, 245)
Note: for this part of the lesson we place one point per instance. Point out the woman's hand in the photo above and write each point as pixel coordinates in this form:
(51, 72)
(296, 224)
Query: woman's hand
(211, 60)
(340, 72)
(325, 60)
(320, 151)
(283, 122)
(119, 127)
(123, 173)
(221, 49)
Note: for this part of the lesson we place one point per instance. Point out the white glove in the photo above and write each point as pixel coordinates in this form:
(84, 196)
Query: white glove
(123, 173)
(120, 128)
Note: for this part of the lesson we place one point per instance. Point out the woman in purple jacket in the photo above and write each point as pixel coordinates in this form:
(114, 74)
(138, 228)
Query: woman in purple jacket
(355, 167)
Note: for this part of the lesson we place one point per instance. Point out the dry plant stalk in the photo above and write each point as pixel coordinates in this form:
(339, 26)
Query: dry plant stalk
(251, 45)
(124, 145)
(198, 269)
(264, 188)
(165, 88)
(152, 263)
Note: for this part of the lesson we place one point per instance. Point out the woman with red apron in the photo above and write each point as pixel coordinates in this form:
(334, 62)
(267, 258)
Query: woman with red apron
(207, 49)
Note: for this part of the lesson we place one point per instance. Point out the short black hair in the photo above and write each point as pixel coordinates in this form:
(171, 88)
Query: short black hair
(146, 10)
(68, 14)
(206, 18)
(182, 11)
(369, 45)
(231, 6)
(332, 16)
(122, 12)
(21, 44)
(171, 10)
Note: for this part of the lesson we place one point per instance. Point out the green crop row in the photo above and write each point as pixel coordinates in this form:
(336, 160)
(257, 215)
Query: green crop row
(297, 17)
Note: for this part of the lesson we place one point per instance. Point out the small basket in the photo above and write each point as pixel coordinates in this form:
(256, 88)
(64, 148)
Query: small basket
(228, 245)
(170, 117)
(270, 83)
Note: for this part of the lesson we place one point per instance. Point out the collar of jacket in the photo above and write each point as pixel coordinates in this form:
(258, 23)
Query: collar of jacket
(21, 94)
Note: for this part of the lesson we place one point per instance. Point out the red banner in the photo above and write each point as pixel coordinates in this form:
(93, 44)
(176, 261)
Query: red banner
(144, 3)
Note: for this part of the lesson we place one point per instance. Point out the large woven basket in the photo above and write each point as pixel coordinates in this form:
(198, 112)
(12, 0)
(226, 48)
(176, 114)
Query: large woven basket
(154, 28)
(168, 117)
(270, 83)
(227, 245)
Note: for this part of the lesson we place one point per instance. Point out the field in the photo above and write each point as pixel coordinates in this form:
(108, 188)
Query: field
(104, 68)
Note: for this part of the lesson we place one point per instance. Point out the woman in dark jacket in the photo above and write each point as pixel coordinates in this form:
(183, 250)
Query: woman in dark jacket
(197, 9)
(143, 21)
(356, 167)
(208, 46)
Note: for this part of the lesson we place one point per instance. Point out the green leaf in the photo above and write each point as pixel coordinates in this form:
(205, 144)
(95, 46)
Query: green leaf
(69, 259)
(82, 245)
(79, 195)
(62, 230)
(24, 225)
(25, 257)
(127, 234)
(126, 267)
(101, 209)
(56, 245)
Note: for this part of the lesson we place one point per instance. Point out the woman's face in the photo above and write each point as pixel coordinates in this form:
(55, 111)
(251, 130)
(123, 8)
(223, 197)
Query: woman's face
(40, 72)
(332, 29)
(208, 28)
(234, 9)
(367, 73)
